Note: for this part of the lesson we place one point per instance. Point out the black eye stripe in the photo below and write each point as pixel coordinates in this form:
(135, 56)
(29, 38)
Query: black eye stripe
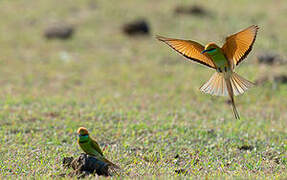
(83, 135)
(211, 49)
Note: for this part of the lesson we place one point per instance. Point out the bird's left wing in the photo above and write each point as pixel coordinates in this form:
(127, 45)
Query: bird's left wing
(189, 49)
(96, 146)
(239, 45)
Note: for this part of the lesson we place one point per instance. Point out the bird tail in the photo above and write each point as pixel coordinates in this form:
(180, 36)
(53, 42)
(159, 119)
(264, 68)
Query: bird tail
(231, 95)
(111, 164)
(239, 84)
(217, 86)
(224, 84)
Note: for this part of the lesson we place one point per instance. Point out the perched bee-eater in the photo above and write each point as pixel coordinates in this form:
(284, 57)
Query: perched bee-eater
(90, 146)
(224, 60)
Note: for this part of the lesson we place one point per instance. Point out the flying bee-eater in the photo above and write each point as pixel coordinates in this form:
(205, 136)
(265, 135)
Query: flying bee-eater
(90, 146)
(224, 82)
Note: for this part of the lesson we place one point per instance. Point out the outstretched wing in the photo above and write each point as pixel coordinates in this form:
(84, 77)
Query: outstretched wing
(189, 49)
(238, 46)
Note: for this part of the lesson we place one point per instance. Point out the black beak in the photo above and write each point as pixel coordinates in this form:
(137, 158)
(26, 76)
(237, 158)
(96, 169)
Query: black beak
(204, 51)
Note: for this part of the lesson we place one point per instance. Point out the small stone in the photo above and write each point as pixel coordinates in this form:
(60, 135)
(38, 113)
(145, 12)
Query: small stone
(138, 27)
(59, 31)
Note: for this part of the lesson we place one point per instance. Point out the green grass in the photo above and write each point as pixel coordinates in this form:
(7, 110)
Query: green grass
(136, 95)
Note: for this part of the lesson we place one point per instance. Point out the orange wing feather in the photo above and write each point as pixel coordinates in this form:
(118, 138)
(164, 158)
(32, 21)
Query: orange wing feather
(189, 49)
(239, 45)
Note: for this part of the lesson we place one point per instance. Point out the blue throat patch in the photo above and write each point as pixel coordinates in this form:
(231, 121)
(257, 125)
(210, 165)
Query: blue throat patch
(83, 138)
(83, 135)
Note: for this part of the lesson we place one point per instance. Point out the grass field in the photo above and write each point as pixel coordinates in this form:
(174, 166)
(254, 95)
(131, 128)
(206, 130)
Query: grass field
(136, 95)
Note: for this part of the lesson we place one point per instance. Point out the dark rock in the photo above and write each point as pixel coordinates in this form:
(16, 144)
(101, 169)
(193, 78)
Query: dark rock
(59, 31)
(138, 27)
(269, 58)
(191, 10)
(86, 165)
(281, 79)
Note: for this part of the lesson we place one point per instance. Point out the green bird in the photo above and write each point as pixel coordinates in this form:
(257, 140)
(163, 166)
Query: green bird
(90, 146)
(224, 82)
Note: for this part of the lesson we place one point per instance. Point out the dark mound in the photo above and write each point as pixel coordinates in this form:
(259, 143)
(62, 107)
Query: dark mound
(269, 58)
(86, 165)
(191, 10)
(59, 31)
(138, 27)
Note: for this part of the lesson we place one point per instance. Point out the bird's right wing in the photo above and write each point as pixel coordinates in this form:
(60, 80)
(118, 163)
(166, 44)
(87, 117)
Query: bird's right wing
(189, 49)
(96, 146)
